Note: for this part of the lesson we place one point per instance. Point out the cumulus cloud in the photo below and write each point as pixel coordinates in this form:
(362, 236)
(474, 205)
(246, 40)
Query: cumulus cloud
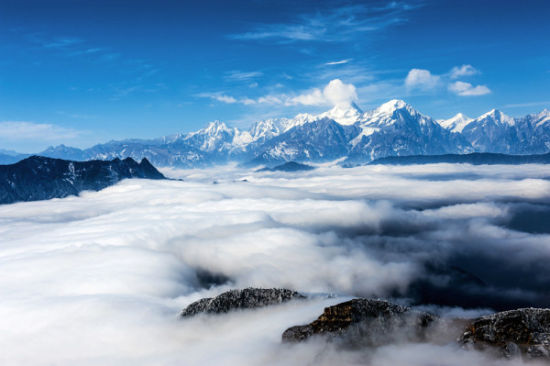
(464, 70)
(335, 93)
(424, 80)
(466, 89)
(338, 93)
(100, 278)
(421, 79)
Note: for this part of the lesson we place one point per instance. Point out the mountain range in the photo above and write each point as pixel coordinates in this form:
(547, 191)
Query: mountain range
(345, 132)
(40, 178)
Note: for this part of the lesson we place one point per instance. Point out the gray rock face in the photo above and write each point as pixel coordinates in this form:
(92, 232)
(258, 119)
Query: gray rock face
(514, 332)
(364, 323)
(249, 298)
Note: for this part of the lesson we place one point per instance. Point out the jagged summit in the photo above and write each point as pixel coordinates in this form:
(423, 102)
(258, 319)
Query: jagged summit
(215, 127)
(392, 105)
(344, 114)
(497, 116)
(456, 123)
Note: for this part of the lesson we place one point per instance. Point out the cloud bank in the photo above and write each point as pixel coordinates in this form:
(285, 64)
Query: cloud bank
(101, 278)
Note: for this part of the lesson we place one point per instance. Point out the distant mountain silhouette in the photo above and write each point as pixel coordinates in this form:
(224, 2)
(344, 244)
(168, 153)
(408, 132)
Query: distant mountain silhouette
(473, 158)
(290, 166)
(41, 178)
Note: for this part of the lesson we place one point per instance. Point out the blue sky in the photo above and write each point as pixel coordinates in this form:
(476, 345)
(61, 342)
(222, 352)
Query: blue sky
(81, 72)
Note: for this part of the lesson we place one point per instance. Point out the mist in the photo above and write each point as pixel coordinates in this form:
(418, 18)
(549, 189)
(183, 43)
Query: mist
(99, 279)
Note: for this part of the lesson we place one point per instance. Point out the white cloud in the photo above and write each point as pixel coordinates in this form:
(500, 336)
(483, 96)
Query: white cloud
(466, 89)
(339, 93)
(421, 79)
(225, 99)
(240, 75)
(341, 62)
(334, 93)
(333, 25)
(424, 80)
(464, 70)
(313, 97)
(101, 278)
(21, 130)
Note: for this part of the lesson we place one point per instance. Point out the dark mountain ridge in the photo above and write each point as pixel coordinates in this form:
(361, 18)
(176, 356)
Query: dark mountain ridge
(41, 178)
(472, 158)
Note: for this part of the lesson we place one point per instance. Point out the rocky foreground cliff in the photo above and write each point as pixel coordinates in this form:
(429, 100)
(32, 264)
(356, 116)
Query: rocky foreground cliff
(368, 323)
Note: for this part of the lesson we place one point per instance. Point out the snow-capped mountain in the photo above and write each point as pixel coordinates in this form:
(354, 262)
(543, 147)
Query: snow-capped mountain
(534, 132)
(345, 132)
(319, 140)
(493, 131)
(496, 132)
(344, 114)
(396, 128)
(456, 123)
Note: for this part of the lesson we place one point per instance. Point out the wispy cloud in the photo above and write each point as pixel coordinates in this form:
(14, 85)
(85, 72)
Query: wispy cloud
(86, 51)
(22, 130)
(228, 99)
(332, 25)
(139, 69)
(527, 104)
(241, 75)
(334, 93)
(62, 42)
(464, 70)
(341, 62)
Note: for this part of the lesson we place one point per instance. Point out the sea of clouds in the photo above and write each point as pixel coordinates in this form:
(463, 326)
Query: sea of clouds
(100, 279)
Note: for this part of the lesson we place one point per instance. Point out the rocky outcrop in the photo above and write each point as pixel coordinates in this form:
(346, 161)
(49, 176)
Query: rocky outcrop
(249, 298)
(515, 332)
(363, 322)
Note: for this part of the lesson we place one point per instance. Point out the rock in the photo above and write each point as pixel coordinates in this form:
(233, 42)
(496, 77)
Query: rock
(363, 322)
(249, 298)
(514, 332)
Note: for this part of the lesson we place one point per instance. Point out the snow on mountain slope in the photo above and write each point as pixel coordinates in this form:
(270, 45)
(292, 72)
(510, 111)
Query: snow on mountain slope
(320, 140)
(396, 128)
(493, 131)
(344, 132)
(344, 114)
(456, 123)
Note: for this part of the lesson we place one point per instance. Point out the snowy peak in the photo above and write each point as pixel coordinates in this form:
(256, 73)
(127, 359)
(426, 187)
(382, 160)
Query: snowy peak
(394, 113)
(392, 106)
(456, 123)
(542, 118)
(344, 114)
(215, 128)
(214, 137)
(497, 117)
